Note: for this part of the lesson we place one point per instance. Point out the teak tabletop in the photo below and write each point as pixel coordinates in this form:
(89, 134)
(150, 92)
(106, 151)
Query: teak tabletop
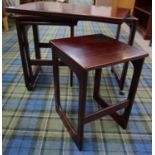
(88, 51)
(93, 52)
(67, 10)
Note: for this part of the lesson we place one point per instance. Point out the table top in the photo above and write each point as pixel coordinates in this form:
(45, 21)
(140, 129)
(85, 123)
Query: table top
(95, 51)
(67, 10)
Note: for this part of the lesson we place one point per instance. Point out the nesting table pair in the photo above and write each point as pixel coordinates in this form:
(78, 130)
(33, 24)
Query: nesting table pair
(80, 54)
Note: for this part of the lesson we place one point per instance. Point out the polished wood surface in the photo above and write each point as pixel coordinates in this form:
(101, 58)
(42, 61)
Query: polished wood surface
(76, 11)
(97, 51)
(83, 54)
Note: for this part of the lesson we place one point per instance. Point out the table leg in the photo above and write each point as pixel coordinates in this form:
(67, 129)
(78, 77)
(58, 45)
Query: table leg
(26, 70)
(132, 25)
(112, 67)
(36, 41)
(118, 31)
(123, 77)
(138, 64)
(97, 82)
(24, 30)
(56, 80)
(77, 135)
(71, 73)
(33, 72)
(29, 74)
(131, 22)
(83, 77)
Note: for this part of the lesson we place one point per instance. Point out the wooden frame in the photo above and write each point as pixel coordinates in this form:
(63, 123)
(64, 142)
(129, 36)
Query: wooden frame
(82, 75)
(22, 25)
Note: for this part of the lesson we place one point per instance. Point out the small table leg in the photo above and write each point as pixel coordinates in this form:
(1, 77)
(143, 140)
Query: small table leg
(71, 73)
(77, 135)
(82, 77)
(132, 23)
(29, 75)
(56, 80)
(26, 70)
(138, 64)
(36, 41)
(123, 77)
(118, 31)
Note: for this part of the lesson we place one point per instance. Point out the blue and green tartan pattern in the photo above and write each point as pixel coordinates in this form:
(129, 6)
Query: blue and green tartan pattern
(31, 125)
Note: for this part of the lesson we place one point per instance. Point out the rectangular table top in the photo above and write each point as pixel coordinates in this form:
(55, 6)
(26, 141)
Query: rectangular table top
(96, 51)
(67, 10)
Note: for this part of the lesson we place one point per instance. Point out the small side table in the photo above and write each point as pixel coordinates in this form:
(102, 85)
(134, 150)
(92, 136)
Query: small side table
(93, 52)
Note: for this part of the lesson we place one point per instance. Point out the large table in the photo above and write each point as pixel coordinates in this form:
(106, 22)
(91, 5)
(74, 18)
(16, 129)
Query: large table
(53, 13)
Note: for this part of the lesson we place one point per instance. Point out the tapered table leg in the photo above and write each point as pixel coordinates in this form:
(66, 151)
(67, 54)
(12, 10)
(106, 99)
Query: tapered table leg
(83, 76)
(97, 82)
(77, 135)
(138, 64)
(24, 56)
(132, 23)
(30, 75)
(36, 41)
(118, 31)
(71, 72)
(56, 80)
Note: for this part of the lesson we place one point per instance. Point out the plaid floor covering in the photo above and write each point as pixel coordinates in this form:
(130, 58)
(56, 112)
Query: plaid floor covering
(31, 125)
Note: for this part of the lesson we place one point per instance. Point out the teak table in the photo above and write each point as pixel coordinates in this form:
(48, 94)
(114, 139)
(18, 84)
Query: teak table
(93, 52)
(52, 13)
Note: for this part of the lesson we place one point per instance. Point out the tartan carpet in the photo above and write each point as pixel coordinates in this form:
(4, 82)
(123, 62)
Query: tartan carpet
(31, 125)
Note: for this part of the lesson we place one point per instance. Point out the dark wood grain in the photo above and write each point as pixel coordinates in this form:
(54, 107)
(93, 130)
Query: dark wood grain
(65, 10)
(85, 53)
(97, 51)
